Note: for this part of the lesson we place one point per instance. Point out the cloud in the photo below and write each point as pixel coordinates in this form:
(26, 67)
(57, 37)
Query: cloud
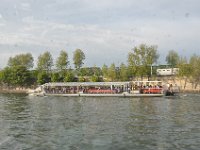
(25, 6)
(105, 30)
(56, 36)
(2, 20)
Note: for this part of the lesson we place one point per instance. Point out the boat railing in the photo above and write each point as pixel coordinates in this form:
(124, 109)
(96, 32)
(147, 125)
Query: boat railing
(100, 91)
(151, 90)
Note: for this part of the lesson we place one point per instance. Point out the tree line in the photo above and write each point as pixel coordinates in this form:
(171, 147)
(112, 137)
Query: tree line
(19, 71)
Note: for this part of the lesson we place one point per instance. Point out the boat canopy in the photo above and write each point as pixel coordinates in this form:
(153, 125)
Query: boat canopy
(74, 84)
(146, 82)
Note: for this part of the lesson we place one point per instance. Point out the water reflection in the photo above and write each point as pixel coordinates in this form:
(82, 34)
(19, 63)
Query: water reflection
(99, 123)
(162, 123)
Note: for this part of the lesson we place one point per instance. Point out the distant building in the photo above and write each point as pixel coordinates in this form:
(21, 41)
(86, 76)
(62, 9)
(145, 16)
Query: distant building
(167, 71)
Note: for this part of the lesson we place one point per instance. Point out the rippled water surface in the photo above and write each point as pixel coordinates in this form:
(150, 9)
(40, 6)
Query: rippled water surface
(80, 123)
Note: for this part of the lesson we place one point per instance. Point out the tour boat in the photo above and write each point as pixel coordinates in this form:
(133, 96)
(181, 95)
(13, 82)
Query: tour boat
(118, 89)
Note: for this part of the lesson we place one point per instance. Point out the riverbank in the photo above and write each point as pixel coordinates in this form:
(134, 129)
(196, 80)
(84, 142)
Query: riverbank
(185, 86)
(193, 91)
(14, 91)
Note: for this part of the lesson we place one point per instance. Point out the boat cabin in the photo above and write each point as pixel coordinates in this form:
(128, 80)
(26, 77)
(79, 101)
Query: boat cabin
(86, 87)
(132, 87)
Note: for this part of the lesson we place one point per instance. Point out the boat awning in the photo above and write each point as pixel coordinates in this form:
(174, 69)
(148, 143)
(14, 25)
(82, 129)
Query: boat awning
(146, 82)
(75, 84)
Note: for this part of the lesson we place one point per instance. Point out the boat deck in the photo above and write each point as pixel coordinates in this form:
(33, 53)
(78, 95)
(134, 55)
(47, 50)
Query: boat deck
(106, 95)
(101, 89)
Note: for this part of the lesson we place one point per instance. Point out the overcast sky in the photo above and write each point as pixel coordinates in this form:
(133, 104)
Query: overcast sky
(106, 30)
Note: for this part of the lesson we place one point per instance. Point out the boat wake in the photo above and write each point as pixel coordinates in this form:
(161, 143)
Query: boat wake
(6, 140)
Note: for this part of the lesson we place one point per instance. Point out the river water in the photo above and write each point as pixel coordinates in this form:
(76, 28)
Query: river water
(80, 123)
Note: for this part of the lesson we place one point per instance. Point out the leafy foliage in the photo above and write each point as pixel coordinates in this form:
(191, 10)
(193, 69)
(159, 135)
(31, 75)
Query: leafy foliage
(78, 58)
(112, 72)
(62, 61)
(43, 77)
(45, 62)
(123, 72)
(141, 59)
(105, 70)
(16, 76)
(96, 78)
(69, 77)
(172, 58)
(25, 60)
(81, 79)
(55, 77)
(195, 69)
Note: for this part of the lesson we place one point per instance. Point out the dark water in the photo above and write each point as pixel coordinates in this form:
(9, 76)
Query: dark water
(46, 123)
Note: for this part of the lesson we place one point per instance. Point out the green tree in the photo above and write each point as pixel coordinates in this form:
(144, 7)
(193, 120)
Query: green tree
(55, 77)
(133, 63)
(184, 70)
(78, 58)
(81, 79)
(1, 77)
(21, 75)
(195, 69)
(105, 70)
(95, 78)
(16, 76)
(62, 61)
(123, 72)
(6, 76)
(43, 77)
(45, 62)
(33, 79)
(25, 60)
(96, 71)
(112, 72)
(172, 58)
(69, 77)
(85, 72)
(141, 59)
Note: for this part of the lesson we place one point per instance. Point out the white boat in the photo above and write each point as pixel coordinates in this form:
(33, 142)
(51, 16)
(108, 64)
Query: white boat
(171, 90)
(100, 89)
(37, 92)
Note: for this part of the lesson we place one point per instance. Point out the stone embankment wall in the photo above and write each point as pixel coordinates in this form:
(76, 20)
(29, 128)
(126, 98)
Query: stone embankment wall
(13, 90)
(185, 84)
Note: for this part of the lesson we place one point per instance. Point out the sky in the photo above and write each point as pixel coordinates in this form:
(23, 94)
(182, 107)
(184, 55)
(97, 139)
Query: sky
(105, 30)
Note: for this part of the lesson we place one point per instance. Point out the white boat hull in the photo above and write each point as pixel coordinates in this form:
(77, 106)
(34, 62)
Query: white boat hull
(105, 95)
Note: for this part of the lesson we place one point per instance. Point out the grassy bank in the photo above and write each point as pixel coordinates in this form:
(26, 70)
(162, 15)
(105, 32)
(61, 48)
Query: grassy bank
(14, 90)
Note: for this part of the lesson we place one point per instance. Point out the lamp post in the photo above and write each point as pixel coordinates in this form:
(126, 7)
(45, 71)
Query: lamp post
(151, 70)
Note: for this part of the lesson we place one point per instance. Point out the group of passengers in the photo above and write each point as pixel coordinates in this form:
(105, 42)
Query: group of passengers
(135, 87)
(111, 90)
(60, 90)
(148, 89)
(90, 90)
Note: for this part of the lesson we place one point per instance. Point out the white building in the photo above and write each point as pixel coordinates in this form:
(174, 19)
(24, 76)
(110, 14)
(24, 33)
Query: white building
(167, 71)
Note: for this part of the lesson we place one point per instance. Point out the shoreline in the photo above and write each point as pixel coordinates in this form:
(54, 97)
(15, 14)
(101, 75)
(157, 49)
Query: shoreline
(185, 85)
(189, 88)
(13, 91)
(25, 91)
(193, 91)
